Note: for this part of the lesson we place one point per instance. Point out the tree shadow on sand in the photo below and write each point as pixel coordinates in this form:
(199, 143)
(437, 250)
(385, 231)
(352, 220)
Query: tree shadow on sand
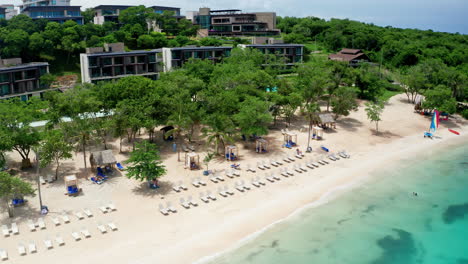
(385, 134)
(349, 124)
(143, 189)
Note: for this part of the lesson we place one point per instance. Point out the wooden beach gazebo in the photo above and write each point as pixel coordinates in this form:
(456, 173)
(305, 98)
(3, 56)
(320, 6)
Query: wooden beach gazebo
(327, 120)
(261, 145)
(290, 140)
(102, 159)
(231, 153)
(192, 161)
(317, 133)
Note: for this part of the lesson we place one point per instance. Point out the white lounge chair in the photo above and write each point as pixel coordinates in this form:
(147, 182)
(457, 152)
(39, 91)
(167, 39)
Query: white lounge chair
(171, 208)
(278, 162)
(265, 165)
(245, 186)
(260, 181)
(260, 166)
(239, 187)
(290, 172)
(79, 215)
(31, 225)
(321, 162)
(213, 179)
(250, 168)
(56, 221)
(59, 240)
(273, 163)
(236, 172)
(269, 178)
(182, 186)
(163, 210)
(222, 192)
(210, 195)
(176, 188)
(88, 212)
(255, 183)
(48, 243)
(14, 228)
(195, 183)
(184, 203)
(284, 172)
(41, 223)
(191, 201)
(65, 218)
(112, 226)
(102, 228)
(219, 177)
(32, 247)
(85, 233)
(204, 198)
(286, 159)
(229, 174)
(103, 209)
(201, 182)
(228, 190)
(274, 176)
(303, 167)
(21, 249)
(291, 158)
(297, 168)
(3, 254)
(42, 180)
(111, 206)
(76, 236)
(298, 156)
(5, 231)
(331, 157)
(310, 165)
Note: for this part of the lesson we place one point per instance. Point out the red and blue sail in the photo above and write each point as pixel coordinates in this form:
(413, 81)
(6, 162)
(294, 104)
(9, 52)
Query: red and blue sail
(435, 122)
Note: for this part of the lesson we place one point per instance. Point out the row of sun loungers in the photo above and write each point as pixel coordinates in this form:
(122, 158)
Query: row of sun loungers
(180, 187)
(76, 235)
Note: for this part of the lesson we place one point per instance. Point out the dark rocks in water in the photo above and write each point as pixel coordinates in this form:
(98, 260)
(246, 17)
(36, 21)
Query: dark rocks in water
(401, 249)
(455, 212)
(343, 220)
(274, 244)
(462, 261)
(370, 208)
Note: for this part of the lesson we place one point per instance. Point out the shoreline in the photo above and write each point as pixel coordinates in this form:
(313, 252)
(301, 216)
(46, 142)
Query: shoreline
(330, 195)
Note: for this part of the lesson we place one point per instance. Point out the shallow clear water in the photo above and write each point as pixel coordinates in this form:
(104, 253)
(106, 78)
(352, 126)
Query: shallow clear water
(380, 222)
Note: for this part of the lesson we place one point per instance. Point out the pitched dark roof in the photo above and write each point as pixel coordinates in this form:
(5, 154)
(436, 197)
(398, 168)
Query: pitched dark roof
(349, 55)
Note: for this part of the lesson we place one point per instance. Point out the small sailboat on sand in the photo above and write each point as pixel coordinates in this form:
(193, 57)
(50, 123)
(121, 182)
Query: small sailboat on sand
(434, 125)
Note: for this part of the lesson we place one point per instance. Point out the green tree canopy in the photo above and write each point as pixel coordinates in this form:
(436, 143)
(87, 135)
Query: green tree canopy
(145, 164)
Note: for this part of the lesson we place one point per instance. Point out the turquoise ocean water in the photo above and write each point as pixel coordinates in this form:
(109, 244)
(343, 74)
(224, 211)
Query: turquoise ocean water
(380, 222)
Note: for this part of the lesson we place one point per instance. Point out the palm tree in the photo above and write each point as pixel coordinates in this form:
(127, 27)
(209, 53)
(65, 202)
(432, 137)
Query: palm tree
(217, 138)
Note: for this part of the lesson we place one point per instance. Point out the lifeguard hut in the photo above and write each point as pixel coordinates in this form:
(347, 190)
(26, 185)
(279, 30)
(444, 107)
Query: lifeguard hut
(290, 140)
(231, 153)
(71, 185)
(317, 133)
(261, 145)
(192, 161)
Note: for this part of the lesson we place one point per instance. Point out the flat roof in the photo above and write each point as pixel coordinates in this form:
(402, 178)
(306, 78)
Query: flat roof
(23, 65)
(33, 8)
(225, 10)
(122, 53)
(274, 45)
(112, 6)
(201, 48)
(167, 7)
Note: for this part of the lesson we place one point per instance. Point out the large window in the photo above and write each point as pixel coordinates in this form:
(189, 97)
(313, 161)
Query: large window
(299, 50)
(106, 61)
(130, 69)
(107, 71)
(18, 76)
(187, 55)
(30, 74)
(4, 89)
(119, 70)
(118, 60)
(4, 77)
(198, 54)
(96, 72)
(93, 61)
(152, 58)
(141, 59)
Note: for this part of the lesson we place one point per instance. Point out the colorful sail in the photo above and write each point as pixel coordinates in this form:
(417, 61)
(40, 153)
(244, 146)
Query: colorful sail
(435, 122)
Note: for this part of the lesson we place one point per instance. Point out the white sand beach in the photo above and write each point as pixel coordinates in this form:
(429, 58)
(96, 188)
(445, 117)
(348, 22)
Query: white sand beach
(145, 235)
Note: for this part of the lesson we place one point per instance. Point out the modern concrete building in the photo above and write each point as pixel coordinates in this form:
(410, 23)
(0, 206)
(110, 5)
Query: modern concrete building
(161, 9)
(28, 3)
(9, 11)
(232, 22)
(176, 57)
(108, 13)
(58, 14)
(113, 62)
(22, 80)
(292, 53)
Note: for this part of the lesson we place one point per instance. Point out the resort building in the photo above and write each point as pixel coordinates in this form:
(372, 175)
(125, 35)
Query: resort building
(113, 62)
(233, 22)
(176, 57)
(108, 13)
(58, 14)
(22, 80)
(292, 53)
(352, 56)
(161, 9)
(7, 11)
(28, 3)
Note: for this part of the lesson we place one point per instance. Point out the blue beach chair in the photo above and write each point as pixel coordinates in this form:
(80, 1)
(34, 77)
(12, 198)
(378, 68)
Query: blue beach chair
(120, 167)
